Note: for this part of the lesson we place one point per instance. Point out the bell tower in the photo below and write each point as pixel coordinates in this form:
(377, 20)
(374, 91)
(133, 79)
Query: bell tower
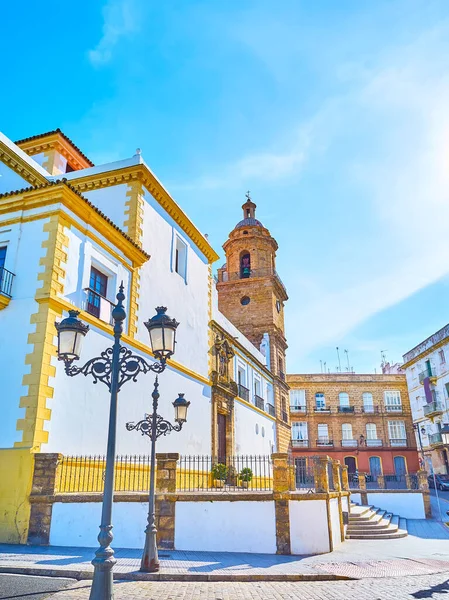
(252, 296)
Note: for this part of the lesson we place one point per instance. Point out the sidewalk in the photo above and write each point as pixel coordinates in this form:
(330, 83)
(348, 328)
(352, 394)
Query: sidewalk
(425, 551)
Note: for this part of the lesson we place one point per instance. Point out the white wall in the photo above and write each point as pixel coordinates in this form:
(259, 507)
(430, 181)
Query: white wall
(23, 254)
(308, 527)
(254, 433)
(335, 522)
(78, 524)
(10, 181)
(226, 527)
(80, 409)
(406, 505)
(161, 285)
(111, 201)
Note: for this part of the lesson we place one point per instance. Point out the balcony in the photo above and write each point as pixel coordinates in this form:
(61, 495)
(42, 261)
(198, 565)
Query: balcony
(393, 408)
(298, 409)
(324, 441)
(224, 276)
(426, 373)
(243, 392)
(374, 443)
(435, 439)
(300, 443)
(370, 409)
(433, 409)
(6, 279)
(348, 443)
(322, 409)
(282, 375)
(284, 416)
(346, 409)
(398, 442)
(98, 306)
(270, 409)
(259, 402)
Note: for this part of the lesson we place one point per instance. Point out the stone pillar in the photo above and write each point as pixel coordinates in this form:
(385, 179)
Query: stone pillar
(408, 481)
(166, 466)
(381, 482)
(322, 475)
(281, 473)
(423, 485)
(362, 488)
(42, 496)
(337, 486)
(281, 489)
(344, 478)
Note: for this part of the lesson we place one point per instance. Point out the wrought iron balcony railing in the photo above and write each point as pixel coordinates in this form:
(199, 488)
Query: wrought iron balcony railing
(284, 416)
(435, 439)
(346, 409)
(298, 409)
(322, 409)
(300, 443)
(282, 375)
(393, 408)
(99, 306)
(324, 441)
(243, 392)
(6, 279)
(271, 410)
(433, 408)
(259, 402)
(370, 408)
(349, 443)
(398, 442)
(424, 374)
(374, 443)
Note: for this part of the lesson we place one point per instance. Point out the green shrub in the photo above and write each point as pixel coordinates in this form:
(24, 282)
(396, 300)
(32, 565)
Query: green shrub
(219, 471)
(246, 474)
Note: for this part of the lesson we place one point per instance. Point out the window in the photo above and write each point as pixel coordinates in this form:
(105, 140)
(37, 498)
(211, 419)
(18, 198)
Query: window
(323, 432)
(297, 399)
(346, 431)
(442, 357)
(245, 265)
(98, 287)
(2, 256)
(241, 375)
(181, 257)
(245, 300)
(393, 400)
(343, 398)
(396, 430)
(368, 405)
(278, 306)
(413, 371)
(257, 387)
(299, 430)
(371, 431)
(320, 400)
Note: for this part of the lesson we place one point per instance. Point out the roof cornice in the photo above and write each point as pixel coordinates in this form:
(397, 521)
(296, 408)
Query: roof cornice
(140, 172)
(20, 166)
(57, 140)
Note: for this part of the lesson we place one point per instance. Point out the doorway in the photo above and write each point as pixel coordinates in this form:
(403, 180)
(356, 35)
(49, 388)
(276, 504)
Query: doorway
(221, 447)
(351, 464)
(399, 465)
(375, 468)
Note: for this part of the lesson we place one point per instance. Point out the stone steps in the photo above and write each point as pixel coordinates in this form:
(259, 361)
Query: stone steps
(371, 523)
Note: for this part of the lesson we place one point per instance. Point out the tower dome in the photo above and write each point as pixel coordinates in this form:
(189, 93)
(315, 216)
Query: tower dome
(249, 214)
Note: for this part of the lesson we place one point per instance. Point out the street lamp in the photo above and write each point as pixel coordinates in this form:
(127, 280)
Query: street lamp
(114, 367)
(154, 426)
(420, 430)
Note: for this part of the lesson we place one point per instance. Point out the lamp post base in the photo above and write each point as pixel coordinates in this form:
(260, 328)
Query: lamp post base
(102, 581)
(150, 558)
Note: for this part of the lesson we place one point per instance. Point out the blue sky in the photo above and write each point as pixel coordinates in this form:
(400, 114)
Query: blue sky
(334, 114)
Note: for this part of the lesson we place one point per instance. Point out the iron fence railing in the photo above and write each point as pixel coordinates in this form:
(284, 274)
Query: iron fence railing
(435, 438)
(259, 402)
(243, 392)
(398, 442)
(98, 306)
(271, 410)
(6, 279)
(346, 409)
(86, 473)
(395, 482)
(433, 408)
(305, 472)
(393, 408)
(370, 408)
(230, 473)
(298, 409)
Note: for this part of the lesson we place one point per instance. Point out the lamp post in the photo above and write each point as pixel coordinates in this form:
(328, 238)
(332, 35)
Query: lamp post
(154, 426)
(114, 367)
(420, 430)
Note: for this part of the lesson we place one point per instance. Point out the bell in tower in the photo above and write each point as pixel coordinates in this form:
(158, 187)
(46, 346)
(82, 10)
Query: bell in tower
(252, 296)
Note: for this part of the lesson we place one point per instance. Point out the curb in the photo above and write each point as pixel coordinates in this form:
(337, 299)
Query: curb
(199, 577)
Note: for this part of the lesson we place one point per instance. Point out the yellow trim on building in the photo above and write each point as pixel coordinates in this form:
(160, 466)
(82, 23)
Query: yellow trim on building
(42, 339)
(16, 477)
(4, 301)
(159, 193)
(134, 228)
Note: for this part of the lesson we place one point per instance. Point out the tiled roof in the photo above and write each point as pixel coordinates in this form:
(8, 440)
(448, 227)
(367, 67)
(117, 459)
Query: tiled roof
(65, 182)
(42, 135)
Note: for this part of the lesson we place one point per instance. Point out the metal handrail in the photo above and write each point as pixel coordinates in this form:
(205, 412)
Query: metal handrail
(271, 410)
(298, 408)
(324, 409)
(433, 407)
(346, 409)
(325, 442)
(259, 402)
(243, 392)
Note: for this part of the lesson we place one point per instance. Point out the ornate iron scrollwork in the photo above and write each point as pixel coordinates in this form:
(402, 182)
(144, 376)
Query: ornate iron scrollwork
(100, 367)
(145, 426)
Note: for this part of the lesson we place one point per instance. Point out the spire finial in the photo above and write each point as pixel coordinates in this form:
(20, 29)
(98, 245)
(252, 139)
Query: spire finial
(249, 208)
(248, 197)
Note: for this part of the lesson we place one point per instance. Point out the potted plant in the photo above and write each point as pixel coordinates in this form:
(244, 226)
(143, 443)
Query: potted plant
(245, 477)
(219, 474)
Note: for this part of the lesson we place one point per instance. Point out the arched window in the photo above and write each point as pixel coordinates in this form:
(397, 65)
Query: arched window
(343, 398)
(245, 265)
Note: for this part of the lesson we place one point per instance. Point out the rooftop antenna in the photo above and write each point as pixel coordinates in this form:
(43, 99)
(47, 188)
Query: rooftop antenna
(325, 366)
(348, 368)
(383, 356)
(339, 363)
(321, 366)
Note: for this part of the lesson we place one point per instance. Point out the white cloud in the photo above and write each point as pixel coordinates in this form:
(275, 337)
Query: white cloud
(119, 20)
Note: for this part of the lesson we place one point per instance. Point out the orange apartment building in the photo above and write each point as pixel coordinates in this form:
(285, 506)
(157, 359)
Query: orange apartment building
(364, 421)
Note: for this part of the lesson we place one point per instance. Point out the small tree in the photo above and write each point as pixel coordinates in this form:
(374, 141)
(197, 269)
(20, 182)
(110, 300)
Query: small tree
(219, 472)
(246, 474)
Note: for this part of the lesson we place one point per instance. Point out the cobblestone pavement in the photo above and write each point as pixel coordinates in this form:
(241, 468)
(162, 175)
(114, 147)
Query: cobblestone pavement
(435, 587)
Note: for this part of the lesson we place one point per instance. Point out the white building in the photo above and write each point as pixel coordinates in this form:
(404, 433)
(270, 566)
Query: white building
(427, 371)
